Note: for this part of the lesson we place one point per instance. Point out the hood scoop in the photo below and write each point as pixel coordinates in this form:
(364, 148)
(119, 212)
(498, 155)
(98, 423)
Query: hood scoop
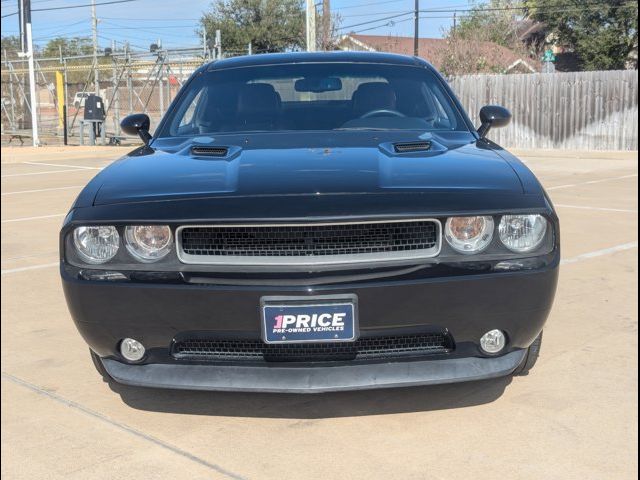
(209, 151)
(410, 147)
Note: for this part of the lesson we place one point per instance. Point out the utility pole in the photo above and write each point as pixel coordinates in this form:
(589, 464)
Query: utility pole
(127, 57)
(23, 31)
(311, 26)
(326, 24)
(455, 23)
(416, 21)
(116, 90)
(94, 31)
(218, 45)
(26, 11)
(204, 43)
(66, 91)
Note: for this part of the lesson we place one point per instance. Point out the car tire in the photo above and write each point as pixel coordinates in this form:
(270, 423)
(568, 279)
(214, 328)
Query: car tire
(530, 359)
(100, 367)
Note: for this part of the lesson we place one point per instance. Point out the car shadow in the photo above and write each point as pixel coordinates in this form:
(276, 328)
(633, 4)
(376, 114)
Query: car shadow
(313, 406)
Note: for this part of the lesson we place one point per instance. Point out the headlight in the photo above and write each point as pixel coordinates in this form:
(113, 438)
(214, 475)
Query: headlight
(469, 234)
(148, 243)
(96, 244)
(522, 233)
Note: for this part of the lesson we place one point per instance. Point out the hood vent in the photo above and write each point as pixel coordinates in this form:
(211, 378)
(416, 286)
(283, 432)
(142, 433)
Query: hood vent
(412, 147)
(202, 151)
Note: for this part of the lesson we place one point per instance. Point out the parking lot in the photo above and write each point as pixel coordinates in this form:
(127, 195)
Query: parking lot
(574, 416)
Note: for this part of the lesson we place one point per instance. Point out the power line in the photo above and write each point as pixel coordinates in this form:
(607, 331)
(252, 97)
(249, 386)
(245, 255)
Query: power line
(48, 9)
(124, 27)
(370, 4)
(388, 24)
(57, 35)
(131, 27)
(152, 19)
(80, 6)
(117, 26)
(564, 7)
(568, 6)
(370, 14)
(61, 27)
(130, 44)
(377, 20)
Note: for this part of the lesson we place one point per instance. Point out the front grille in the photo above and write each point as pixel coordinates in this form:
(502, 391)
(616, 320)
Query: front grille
(413, 238)
(362, 349)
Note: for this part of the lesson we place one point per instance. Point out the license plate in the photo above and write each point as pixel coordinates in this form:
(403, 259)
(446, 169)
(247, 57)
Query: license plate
(303, 320)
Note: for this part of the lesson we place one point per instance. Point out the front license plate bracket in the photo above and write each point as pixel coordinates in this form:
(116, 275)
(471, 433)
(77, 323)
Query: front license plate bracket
(319, 319)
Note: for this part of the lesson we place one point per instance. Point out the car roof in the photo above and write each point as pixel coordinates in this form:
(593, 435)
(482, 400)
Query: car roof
(316, 57)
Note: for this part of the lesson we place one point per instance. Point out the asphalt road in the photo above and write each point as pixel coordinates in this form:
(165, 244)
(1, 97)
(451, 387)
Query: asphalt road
(573, 417)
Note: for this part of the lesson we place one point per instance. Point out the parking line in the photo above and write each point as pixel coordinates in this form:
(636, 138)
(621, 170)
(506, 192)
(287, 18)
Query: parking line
(591, 182)
(35, 255)
(41, 190)
(26, 219)
(47, 172)
(599, 209)
(600, 253)
(32, 267)
(121, 426)
(81, 167)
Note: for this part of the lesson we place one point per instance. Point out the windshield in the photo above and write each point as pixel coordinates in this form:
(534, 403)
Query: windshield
(322, 96)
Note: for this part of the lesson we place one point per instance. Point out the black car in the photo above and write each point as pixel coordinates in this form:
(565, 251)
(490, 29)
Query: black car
(312, 222)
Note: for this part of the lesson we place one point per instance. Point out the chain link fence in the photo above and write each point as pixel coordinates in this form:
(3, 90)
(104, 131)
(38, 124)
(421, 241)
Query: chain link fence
(125, 84)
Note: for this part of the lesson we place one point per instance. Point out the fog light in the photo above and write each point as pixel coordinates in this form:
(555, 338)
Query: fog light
(102, 275)
(493, 341)
(132, 350)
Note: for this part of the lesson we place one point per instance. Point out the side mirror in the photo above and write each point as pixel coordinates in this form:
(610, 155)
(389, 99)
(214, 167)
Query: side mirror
(137, 124)
(493, 116)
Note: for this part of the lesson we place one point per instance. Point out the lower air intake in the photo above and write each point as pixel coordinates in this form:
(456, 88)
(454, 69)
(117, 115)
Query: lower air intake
(367, 348)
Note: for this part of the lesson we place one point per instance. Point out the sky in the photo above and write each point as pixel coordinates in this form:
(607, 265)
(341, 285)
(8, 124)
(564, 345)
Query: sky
(143, 22)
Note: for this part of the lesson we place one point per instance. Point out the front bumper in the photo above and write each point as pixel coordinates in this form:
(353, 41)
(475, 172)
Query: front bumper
(317, 379)
(466, 306)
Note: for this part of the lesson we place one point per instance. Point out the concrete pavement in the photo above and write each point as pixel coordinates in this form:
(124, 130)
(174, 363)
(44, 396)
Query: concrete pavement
(573, 417)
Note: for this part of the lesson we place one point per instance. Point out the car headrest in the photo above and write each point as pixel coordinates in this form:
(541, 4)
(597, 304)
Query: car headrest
(220, 103)
(373, 96)
(258, 98)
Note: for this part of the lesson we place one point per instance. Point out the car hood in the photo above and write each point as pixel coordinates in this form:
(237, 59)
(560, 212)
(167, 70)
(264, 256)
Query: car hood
(289, 165)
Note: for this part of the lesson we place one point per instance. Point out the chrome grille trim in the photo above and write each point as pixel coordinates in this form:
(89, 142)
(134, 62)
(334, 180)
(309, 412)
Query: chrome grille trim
(312, 261)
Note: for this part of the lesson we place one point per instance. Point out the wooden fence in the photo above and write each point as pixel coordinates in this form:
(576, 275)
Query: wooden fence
(578, 110)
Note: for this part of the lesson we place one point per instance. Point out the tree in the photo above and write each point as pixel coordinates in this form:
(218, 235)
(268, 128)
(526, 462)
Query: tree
(269, 25)
(10, 45)
(604, 36)
(496, 21)
(69, 46)
(483, 37)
